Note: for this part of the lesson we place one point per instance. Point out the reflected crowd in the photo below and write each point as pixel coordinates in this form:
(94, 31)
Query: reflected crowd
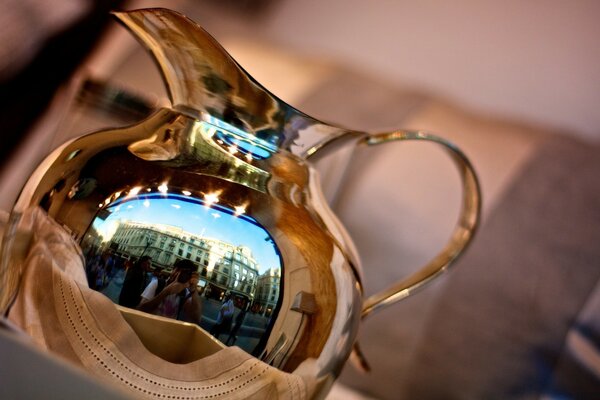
(181, 293)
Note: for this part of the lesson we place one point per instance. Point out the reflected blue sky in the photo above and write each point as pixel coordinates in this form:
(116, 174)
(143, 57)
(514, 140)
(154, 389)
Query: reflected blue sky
(187, 214)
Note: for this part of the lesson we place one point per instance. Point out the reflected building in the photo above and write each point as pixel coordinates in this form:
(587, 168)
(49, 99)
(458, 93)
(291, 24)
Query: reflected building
(223, 267)
(267, 292)
(232, 269)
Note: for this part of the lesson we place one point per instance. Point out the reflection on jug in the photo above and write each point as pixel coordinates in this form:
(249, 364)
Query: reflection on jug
(168, 252)
(141, 253)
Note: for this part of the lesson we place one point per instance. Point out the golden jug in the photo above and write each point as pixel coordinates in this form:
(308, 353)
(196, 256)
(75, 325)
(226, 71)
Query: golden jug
(223, 179)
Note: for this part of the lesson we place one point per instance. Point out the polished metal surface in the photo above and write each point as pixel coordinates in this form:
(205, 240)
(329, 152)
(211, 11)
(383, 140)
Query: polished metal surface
(221, 180)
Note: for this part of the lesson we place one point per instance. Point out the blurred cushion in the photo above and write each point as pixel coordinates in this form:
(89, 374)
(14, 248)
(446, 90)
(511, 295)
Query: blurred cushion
(499, 325)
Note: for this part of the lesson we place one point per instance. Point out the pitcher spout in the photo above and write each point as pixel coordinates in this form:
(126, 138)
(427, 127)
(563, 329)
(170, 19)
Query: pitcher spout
(204, 82)
(201, 78)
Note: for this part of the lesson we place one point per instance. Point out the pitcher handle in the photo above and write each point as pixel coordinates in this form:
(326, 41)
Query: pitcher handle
(461, 236)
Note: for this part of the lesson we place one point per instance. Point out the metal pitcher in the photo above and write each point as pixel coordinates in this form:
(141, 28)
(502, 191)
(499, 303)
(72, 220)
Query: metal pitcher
(222, 181)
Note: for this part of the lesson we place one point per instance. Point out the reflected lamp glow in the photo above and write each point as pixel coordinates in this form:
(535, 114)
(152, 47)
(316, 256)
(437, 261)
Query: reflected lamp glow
(163, 188)
(239, 210)
(133, 192)
(211, 198)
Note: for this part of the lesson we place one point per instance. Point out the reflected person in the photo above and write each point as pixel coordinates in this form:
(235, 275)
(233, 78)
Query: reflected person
(239, 320)
(98, 270)
(134, 283)
(224, 318)
(179, 299)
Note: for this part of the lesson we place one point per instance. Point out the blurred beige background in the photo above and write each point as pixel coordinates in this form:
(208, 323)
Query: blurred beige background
(538, 60)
